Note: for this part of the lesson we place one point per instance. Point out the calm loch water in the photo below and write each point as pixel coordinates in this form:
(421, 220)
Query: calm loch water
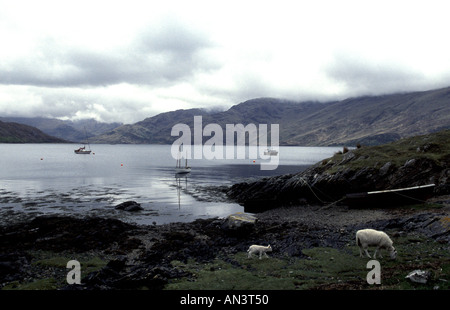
(38, 179)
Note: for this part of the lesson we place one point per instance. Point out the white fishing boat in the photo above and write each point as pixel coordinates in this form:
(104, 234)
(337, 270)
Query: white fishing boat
(82, 150)
(271, 152)
(179, 169)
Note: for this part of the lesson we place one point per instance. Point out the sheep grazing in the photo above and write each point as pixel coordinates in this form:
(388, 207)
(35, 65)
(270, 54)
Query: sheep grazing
(368, 237)
(259, 248)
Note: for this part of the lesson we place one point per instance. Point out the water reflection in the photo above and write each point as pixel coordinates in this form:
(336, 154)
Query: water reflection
(181, 179)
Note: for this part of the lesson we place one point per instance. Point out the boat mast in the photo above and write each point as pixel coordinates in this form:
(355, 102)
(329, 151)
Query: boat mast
(85, 134)
(178, 165)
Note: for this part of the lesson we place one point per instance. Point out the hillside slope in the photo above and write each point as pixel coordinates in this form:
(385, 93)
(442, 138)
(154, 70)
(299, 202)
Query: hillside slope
(75, 131)
(19, 133)
(157, 129)
(375, 120)
(369, 120)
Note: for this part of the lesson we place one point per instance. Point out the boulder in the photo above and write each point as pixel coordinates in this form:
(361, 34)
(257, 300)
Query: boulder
(130, 206)
(239, 222)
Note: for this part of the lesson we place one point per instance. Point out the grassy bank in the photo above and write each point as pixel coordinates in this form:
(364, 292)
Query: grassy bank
(435, 146)
(48, 269)
(322, 268)
(319, 268)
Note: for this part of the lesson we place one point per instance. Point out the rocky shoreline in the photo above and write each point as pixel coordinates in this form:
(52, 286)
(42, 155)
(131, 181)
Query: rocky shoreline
(408, 162)
(136, 257)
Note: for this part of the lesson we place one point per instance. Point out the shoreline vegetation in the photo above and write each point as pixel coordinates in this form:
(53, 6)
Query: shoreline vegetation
(313, 240)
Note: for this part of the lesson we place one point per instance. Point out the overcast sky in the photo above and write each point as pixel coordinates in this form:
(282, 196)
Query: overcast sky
(128, 60)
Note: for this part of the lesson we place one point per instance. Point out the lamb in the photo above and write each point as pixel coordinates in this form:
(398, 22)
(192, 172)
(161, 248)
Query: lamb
(259, 248)
(380, 239)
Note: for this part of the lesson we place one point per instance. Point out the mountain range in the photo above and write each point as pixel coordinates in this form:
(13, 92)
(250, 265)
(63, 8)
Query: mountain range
(367, 120)
(70, 131)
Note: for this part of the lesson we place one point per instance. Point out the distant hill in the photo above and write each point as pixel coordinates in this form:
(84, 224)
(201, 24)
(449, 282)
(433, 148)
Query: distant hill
(368, 120)
(152, 130)
(19, 133)
(374, 120)
(157, 129)
(75, 131)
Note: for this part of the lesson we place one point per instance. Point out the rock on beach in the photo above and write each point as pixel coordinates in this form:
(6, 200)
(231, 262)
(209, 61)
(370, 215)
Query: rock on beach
(239, 222)
(130, 206)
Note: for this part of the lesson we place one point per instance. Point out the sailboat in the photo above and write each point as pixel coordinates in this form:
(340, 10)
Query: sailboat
(179, 169)
(82, 150)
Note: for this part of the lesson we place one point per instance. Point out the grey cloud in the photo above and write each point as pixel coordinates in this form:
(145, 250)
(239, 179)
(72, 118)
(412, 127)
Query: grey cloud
(172, 37)
(164, 55)
(75, 103)
(363, 76)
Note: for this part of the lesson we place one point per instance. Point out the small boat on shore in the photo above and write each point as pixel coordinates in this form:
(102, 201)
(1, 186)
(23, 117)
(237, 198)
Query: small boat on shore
(392, 197)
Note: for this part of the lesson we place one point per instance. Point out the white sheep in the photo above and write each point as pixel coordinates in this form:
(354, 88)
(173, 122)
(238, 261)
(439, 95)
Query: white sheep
(259, 248)
(380, 239)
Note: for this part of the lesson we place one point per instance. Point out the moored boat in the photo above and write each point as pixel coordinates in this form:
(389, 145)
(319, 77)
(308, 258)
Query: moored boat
(179, 169)
(82, 150)
(271, 152)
